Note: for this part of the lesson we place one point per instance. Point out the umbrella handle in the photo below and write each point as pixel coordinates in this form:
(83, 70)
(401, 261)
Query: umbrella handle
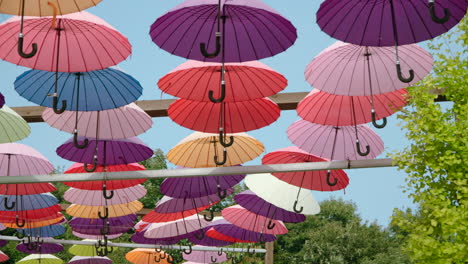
(295, 208)
(400, 75)
(223, 161)
(109, 250)
(210, 218)
(200, 235)
(228, 257)
(220, 252)
(101, 252)
(159, 249)
(222, 95)
(222, 193)
(358, 148)
(435, 18)
(374, 121)
(213, 259)
(19, 235)
(20, 223)
(170, 259)
(21, 46)
(335, 180)
(271, 225)
(156, 259)
(189, 251)
(55, 105)
(76, 143)
(221, 139)
(106, 214)
(6, 205)
(93, 168)
(104, 193)
(205, 53)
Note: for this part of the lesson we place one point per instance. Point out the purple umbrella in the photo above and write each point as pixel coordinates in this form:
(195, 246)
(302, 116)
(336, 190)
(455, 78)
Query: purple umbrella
(228, 229)
(245, 30)
(41, 248)
(3, 243)
(117, 225)
(2, 100)
(208, 241)
(250, 201)
(139, 238)
(90, 260)
(174, 205)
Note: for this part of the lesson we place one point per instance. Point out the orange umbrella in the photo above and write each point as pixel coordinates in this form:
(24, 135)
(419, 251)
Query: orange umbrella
(148, 256)
(86, 211)
(33, 224)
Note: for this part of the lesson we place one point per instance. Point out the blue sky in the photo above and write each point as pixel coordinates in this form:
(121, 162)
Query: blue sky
(375, 191)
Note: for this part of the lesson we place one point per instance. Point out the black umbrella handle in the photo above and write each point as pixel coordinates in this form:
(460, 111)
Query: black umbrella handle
(170, 259)
(213, 259)
(271, 225)
(20, 223)
(358, 149)
(106, 214)
(222, 95)
(209, 218)
(76, 143)
(55, 105)
(188, 251)
(200, 235)
(6, 205)
(400, 75)
(93, 168)
(435, 18)
(104, 193)
(374, 120)
(335, 180)
(223, 161)
(295, 208)
(21, 48)
(217, 50)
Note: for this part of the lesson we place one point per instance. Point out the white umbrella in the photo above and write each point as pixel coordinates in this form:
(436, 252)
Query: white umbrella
(175, 228)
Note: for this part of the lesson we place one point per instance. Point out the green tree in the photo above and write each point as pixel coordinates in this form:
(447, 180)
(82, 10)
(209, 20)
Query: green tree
(157, 162)
(434, 160)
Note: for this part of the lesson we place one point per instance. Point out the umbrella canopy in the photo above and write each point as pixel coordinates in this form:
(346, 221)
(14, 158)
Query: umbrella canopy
(250, 30)
(123, 122)
(45, 231)
(198, 150)
(313, 180)
(340, 110)
(109, 152)
(282, 194)
(21, 160)
(117, 225)
(86, 91)
(209, 241)
(257, 205)
(94, 237)
(90, 260)
(26, 188)
(241, 217)
(205, 257)
(335, 143)
(147, 256)
(156, 217)
(41, 8)
(369, 23)
(42, 248)
(49, 213)
(215, 234)
(173, 205)
(349, 69)
(40, 259)
(86, 211)
(87, 43)
(224, 229)
(139, 238)
(175, 228)
(27, 202)
(87, 251)
(32, 223)
(245, 81)
(239, 116)
(2, 100)
(96, 198)
(14, 127)
(3, 257)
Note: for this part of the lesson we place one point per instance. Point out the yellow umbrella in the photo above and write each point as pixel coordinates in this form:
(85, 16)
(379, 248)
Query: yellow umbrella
(40, 259)
(198, 150)
(86, 211)
(87, 251)
(41, 7)
(148, 256)
(33, 224)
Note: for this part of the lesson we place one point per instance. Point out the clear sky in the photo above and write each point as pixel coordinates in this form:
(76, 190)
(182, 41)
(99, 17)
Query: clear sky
(375, 191)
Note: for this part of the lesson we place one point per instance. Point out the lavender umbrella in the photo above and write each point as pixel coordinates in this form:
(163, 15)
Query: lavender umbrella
(139, 237)
(245, 30)
(42, 248)
(90, 260)
(2, 100)
(226, 228)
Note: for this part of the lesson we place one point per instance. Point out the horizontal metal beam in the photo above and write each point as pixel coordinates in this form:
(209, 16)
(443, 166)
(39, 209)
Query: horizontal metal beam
(134, 245)
(199, 172)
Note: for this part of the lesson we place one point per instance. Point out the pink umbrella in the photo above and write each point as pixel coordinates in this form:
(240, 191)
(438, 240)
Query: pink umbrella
(335, 143)
(94, 237)
(205, 256)
(312, 180)
(95, 198)
(175, 228)
(21, 160)
(243, 218)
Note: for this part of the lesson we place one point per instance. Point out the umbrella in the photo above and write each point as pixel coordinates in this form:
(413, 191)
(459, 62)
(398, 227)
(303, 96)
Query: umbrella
(27, 202)
(2, 100)
(14, 127)
(257, 205)
(26, 188)
(250, 30)
(87, 251)
(45, 231)
(21, 160)
(222, 237)
(194, 80)
(49, 213)
(123, 122)
(40, 259)
(155, 217)
(335, 143)
(148, 256)
(209, 241)
(3, 243)
(121, 196)
(90, 260)
(313, 180)
(42, 248)
(173, 205)
(224, 229)
(175, 228)
(138, 237)
(92, 226)
(94, 237)
(282, 194)
(86, 211)
(198, 150)
(340, 110)
(3, 257)
(241, 217)
(32, 223)
(205, 257)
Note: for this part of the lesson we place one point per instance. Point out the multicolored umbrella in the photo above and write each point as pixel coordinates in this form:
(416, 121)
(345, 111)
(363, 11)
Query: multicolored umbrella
(245, 31)
(148, 256)
(205, 256)
(14, 127)
(49, 213)
(175, 228)
(42, 248)
(173, 205)
(282, 194)
(95, 212)
(90, 260)
(198, 150)
(95, 198)
(207, 240)
(241, 217)
(225, 228)
(336, 143)
(222, 237)
(40, 259)
(32, 223)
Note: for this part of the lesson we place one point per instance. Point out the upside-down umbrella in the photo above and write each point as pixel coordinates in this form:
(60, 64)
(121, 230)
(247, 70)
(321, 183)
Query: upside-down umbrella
(2, 100)
(90, 260)
(223, 227)
(199, 149)
(282, 194)
(87, 250)
(155, 217)
(313, 180)
(336, 143)
(256, 204)
(40, 259)
(241, 217)
(148, 256)
(87, 211)
(3, 257)
(14, 127)
(176, 228)
(95, 198)
(205, 256)
(42, 248)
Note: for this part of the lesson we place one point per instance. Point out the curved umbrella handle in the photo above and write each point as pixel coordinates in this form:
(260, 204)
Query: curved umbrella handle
(374, 121)
(221, 139)
(295, 208)
(189, 251)
(101, 252)
(55, 105)
(6, 205)
(163, 256)
(31, 245)
(21, 48)
(20, 223)
(159, 249)
(106, 214)
(109, 250)
(20, 235)
(435, 18)
(220, 252)
(223, 161)
(93, 168)
(271, 225)
(104, 193)
(210, 218)
(213, 259)
(358, 149)
(205, 53)
(200, 235)
(76, 143)
(335, 180)
(400, 75)
(222, 193)
(222, 95)
(156, 259)
(228, 257)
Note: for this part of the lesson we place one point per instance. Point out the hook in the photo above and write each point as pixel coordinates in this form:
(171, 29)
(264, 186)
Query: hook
(295, 208)
(400, 75)
(335, 180)
(104, 193)
(217, 47)
(76, 143)
(5, 204)
(157, 260)
(358, 148)
(106, 214)
(21, 50)
(222, 193)
(222, 95)
(23, 222)
(220, 252)
(271, 225)
(19, 235)
(163, 256)
(210, 218)
(215, 259)
(221, 139)
(250, 252)
(31, 245)
(103, 244)
(158, 249)
(200, 235)
(55, 105)
(228, 257)
(435, 18)
(101, 252)
(109, 250)
(374, 120)
(222, 162)
(189, 251)
(94, 167)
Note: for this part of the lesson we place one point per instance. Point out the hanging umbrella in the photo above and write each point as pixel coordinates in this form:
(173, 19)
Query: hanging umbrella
(86, 211)
(121, 196)
(26, 202)
(87, 251)
(40, 259)
(42, 248)
(257, 205)
(173, 205)
(90, 260)
(2, 100)
(94, 237)
(148, 256)
(246, 31)
(199, 149)
(93, 226)
(139, 238)
(175, 228)
(282, 194)
(224, 229)
(26, 188)
(222, 237)
(45, 231)
(209, 241)
(313, 180)
(241, 217)
(21, 160)
(205, 257)
(32, 223)
(155, 217)
(335, 143)
(14, 127)
(3, 257)
(193, 80)
(49, 213)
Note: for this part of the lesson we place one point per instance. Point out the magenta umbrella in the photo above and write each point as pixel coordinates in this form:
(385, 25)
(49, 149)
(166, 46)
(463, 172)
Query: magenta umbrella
(336, 143)
(95, 198)
(241, 217)
(173, 205)
(41, 248)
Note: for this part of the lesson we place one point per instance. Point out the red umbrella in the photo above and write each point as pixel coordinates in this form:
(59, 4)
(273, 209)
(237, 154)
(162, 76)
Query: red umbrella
(220, 236)
(47, 213)
(155, 217)
(313, 180)
(26, 188)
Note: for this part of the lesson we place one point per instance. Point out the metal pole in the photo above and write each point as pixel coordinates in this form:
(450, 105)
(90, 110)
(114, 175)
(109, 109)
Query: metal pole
(199, 172)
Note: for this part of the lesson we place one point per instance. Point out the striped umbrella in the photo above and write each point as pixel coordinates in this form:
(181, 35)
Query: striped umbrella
(91, 226)
(32, 223)
(49, 213)
(94, 237)
(87, 251)
(45, 231)
(139, 238)
(27, 202)
(175, 228)
(14, 127)
(223, 229)
(241, 217)
(26, 188)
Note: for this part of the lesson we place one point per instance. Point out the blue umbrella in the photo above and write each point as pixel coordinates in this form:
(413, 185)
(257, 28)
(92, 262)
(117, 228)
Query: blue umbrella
(45, 231)
(26, 202)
